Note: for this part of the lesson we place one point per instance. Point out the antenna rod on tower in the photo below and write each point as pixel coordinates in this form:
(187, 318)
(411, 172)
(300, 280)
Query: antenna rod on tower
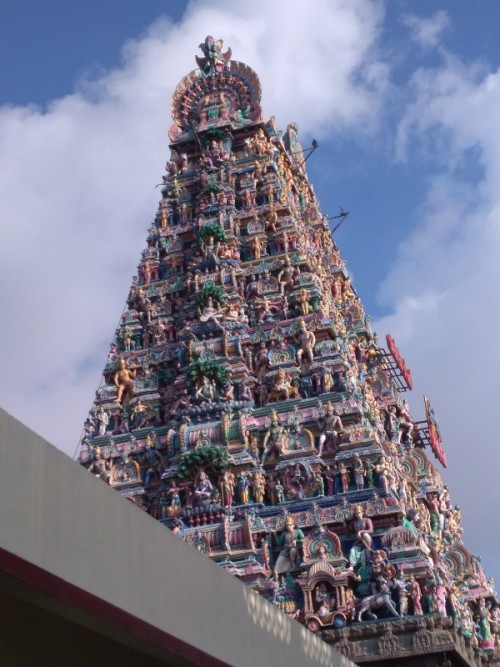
(342, 215)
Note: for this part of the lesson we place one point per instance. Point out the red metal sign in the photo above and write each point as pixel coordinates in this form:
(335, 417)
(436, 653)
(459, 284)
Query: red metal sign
(434, 434)
(400, 362)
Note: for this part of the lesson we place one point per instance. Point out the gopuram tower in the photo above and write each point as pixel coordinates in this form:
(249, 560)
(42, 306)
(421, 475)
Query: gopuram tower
(247, 405)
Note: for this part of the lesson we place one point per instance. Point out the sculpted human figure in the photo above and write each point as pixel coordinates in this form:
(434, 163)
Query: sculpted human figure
(359, 472)
(183, 402)
(430, 591)
(322, 598)
(259, 143)
(295, 421)
(99, 466)
(379, 565)
(243, 486)
(289, 542)
(123, 381)
(485, 619)
(286, 277)
(307, 341)
(271, 220)
(404, 595)
(257, 246)
(303, 300)
(124, 418)
(227, 393)
(262, 393)
(384, 473)
(138, 414)
(320, 484)
(266, 310)
(127, 339)
(203, 490)
(211, 314)
(405, 424)
(259, 486)
(144, 305)
(102, 419)
(433, 504)
(232, 314)
(416, 596)
(152, 459)
(244, 392)
(281, 388)
(344, 477)
(363, 527)
(207, 390)
(331, 427)
(253, 288)
(274, 438)
(228, 484)
(211, 249)
(279, 492)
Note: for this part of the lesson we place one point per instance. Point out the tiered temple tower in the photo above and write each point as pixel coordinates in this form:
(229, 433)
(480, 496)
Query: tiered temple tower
(247, 405)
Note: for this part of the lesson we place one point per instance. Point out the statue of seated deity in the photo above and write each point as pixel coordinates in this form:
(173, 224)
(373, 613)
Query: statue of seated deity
(282, 387)
(211, 314)
(207, 391)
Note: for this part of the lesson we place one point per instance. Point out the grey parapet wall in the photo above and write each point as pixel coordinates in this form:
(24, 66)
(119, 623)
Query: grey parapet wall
(71, 545)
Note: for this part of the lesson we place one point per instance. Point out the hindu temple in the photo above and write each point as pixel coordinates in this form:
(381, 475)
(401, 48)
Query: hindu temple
(248, 407)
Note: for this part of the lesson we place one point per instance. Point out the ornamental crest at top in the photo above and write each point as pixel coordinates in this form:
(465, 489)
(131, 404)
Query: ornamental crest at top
(222, 93)
(214, 60)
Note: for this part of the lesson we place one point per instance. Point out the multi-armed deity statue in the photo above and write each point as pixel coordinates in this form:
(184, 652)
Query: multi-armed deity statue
(247, 405)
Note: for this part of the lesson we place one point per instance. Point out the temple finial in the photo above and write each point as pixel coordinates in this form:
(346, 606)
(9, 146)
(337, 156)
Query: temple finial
(214, 60)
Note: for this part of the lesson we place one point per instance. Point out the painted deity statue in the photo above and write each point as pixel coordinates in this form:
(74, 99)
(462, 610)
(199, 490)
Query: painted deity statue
(363, 527)
(123, 381)
(211, 314)
(307, 341)
(203, 490)
(207, 390)
(281, 388)
(274, 438)
(288, 542)
(102, 419)
(331, 427)
(228, 484)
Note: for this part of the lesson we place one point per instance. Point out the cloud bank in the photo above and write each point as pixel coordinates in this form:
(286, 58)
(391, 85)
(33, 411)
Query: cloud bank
(444, 287)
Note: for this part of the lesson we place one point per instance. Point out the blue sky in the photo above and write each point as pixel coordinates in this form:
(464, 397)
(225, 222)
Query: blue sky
(404, 99)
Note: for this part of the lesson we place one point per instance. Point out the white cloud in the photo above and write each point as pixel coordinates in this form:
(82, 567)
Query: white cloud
(450, 267)
(426, 31)
(77, 186)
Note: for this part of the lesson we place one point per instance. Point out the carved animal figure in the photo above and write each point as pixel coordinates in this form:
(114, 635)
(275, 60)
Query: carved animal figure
(380, 600)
